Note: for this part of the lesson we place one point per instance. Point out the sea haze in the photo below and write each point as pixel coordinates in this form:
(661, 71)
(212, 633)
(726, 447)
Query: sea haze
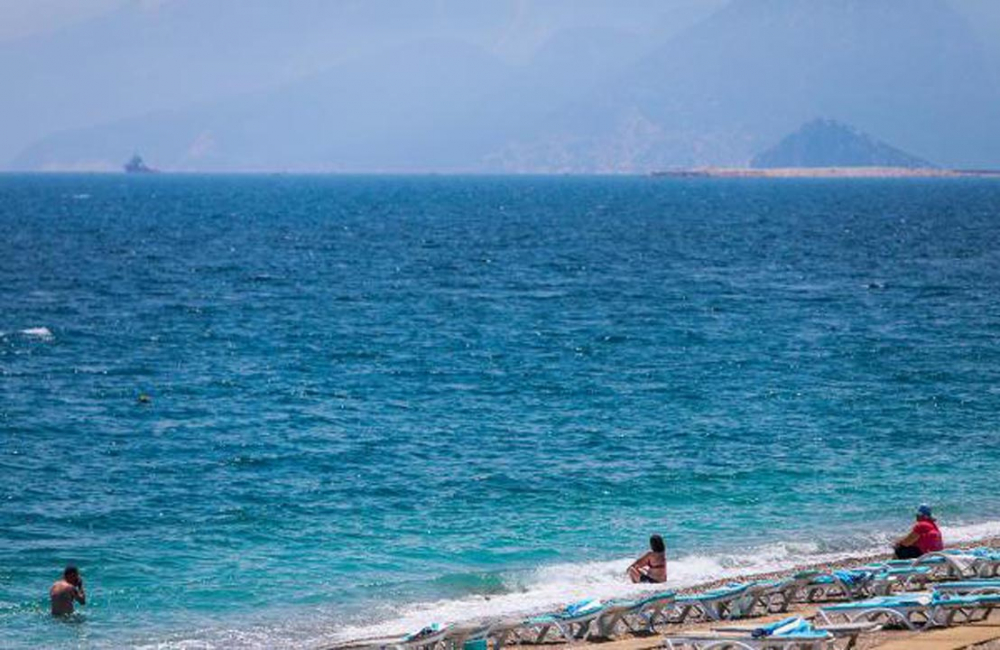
(375, 401)
(501, 86)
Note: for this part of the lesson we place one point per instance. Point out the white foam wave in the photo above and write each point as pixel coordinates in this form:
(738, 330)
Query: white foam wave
(964, 533)
(547, 588)
(43, 333)
(553, 586)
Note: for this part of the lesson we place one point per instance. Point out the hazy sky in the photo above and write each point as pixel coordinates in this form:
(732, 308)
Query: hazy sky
(550, 85)
(19, 18)
(22, 18)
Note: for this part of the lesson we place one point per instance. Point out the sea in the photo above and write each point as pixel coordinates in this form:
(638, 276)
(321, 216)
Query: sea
(285, 411)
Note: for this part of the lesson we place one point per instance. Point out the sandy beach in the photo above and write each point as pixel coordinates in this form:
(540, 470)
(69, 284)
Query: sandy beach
(983, 635)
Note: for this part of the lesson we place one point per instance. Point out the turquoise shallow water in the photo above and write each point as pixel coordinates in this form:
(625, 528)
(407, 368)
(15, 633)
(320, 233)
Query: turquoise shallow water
(376, 401)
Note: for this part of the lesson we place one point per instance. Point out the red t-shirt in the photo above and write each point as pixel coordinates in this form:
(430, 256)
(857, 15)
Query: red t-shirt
(928, 536)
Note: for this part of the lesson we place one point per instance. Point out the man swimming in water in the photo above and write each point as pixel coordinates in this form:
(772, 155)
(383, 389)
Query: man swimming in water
(65, 590)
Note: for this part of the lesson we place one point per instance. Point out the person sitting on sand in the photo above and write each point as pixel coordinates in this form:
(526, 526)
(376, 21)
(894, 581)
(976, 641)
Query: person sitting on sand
(65, 590)
(651, 567)
(924, 538)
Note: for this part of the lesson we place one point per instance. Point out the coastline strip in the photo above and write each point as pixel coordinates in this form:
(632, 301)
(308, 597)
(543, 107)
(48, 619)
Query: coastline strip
(826, 172)
(961, 636)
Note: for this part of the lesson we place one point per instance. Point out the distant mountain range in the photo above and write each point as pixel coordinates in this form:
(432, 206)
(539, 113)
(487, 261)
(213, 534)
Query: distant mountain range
(716, 90)
(910, 72)
(828, 143)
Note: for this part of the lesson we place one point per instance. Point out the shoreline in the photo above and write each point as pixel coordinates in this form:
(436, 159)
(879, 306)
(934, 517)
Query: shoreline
(851, 561)
(679, 173)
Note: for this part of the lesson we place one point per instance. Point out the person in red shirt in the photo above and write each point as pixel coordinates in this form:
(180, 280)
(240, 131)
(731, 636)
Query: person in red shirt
(924, 538)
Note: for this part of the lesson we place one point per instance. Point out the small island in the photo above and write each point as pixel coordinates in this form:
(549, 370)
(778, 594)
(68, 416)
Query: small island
(825, 148)
(826, 172)
(136, 165)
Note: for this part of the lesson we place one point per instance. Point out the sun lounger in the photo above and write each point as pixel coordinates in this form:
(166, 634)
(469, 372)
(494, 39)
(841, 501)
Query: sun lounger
(431, 637)
(634, 615)
(873, 580)
(504, 632)
(571, 624)
(970, 587)
(987, 563)
(847, 584)
(736, 600)
(775, 596)
(848, 632)
(914, 611)
(454, 637)
(900, 579)
(949, 564)
(955, 564)
(729, 602)
(793, 633)
(461, 633)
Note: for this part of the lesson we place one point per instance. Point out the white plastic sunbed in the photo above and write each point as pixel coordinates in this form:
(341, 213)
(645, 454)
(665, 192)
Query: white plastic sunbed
(432, 637)
(914, 611)
(454, 637)
(873, 580)
(793, 633)
(955, 564)
(969, 587)
(777, 595)
(848, 632)
(504, 632)
(634, 615)
(892, 579)
(842, 583)
(985, 562)
(737, 600)
(570, 624)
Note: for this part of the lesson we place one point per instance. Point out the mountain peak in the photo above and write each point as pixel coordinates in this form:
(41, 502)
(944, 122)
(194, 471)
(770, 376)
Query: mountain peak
(824, 142)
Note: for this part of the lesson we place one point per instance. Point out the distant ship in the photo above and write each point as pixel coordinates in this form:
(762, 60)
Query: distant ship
(136, 165)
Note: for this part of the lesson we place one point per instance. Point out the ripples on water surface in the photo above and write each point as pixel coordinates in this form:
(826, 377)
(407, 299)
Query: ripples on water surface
(369, 393)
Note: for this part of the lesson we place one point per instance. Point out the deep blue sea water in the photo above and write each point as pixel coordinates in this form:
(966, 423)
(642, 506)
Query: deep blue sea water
(379, 402)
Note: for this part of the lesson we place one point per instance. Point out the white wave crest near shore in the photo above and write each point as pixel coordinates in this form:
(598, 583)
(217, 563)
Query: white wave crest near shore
(967, 533)
(547, 588)
(550, 587)
(43, 333)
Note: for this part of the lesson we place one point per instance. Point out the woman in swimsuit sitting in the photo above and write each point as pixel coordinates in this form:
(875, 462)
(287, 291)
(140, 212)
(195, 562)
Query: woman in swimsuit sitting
(651, 567)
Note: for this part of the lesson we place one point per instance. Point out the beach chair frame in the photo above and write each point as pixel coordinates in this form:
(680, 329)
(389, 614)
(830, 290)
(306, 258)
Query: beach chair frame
(969, 587)
(776, 597)
(840, 631)
(836, 589)
(722, 641)
(635, 616)
(727, 603)
(915, 615)
(570, 628)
